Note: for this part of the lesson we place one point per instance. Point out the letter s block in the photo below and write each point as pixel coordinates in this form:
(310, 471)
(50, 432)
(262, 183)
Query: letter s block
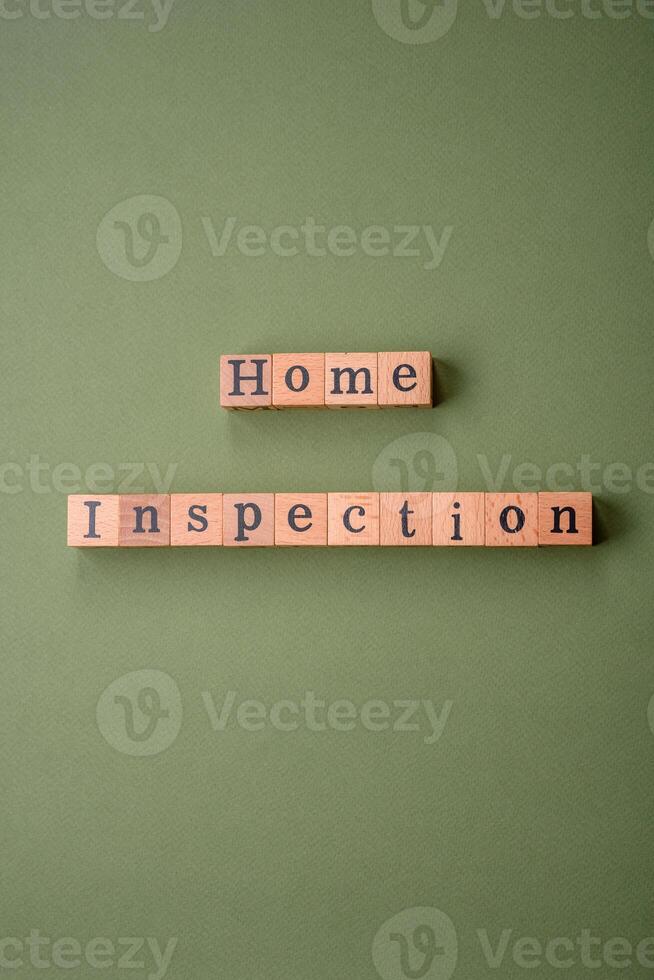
(405, 379)
(196, 519)
(512, 520)
(246, 381)
(93, 521)
(144, 520)
(565, 518)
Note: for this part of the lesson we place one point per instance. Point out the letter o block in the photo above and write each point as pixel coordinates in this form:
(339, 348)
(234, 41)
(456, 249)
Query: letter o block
(246, 381)
(512, 520)
(298, 381)
(405, 379)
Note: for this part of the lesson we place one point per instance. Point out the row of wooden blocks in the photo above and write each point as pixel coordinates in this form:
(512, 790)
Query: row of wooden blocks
(330, 519)
(391, 379)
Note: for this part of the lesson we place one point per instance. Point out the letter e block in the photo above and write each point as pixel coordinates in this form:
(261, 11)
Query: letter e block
(353, 519)
(512, 520)
(196, 519)
(298, 380)
(144, 520)
(405, 379)
(93, 521)
(248, 520)
(459, 519)
(300, 519)
(565, 518)
(351, 380)
(246, 381)
(405, 519)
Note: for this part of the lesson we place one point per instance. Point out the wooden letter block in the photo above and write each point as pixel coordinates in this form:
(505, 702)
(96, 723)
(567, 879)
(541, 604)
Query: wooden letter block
(353, 519)
(246, 381)
(300, 519)
(93, 521)
(565, 518)
(248, 520)
(405, 518)
(512, 520)
(459, 519)
(405, 379)
(351, 380)
(196, 519)
(298, 380)
(144, 520)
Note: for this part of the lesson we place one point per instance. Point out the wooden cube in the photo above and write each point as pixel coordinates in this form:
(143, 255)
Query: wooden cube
(246, 381)
(300, 519)
(512, 520)
(405, 379)
(459, 519)
(353, 519)
(144, 520)
(565, 518)
(93, 521)
(196, 519)
(248, 520)
(298, 380)
(351, 380)
(405, 519)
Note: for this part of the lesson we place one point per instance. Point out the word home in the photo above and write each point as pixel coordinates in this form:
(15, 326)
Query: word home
(251, 520)
(377, 380)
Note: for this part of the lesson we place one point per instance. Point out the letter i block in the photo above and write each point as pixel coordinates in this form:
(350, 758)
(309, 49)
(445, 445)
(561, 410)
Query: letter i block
(405, 519)
(353, 519)
(246, 381)
(459, 519)
(565, 518)
(512, 520)
(196, 519)
(298, 380)
(405, 379)
(93, 521)
(248, 520)
(300, 519)
(144, 520)
(351, 380)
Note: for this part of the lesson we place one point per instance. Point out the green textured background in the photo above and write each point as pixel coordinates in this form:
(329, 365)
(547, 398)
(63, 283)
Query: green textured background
(278, 856)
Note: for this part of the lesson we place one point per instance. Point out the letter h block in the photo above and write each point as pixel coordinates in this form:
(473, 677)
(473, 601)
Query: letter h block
(246, 381)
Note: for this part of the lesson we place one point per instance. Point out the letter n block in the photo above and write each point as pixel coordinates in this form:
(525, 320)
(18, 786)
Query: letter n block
(405, 379)
(196, 519)
(405, 519)
(248, 520)
(459, 519)
(565, 518)
(298, 380)
(353, 519)
(93, 521)
(351, 380)
(246, 381)
(144, 520)
(512, 520)
(300, 519)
